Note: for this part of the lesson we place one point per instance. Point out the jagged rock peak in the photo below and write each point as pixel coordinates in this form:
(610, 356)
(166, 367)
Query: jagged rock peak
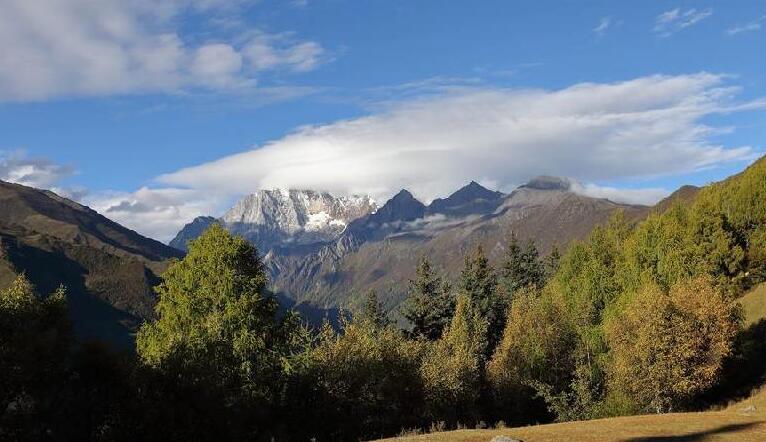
(402, 207)
(544, 182)
(293, 210)
(403, 194)
(473, 191)
(471, 199)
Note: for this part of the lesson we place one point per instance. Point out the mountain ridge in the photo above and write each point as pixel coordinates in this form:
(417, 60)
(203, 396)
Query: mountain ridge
(380, 249)
(108, 270)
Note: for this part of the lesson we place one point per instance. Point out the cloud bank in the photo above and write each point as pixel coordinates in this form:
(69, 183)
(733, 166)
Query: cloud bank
(54, 49)
(642, 128)
(606, 133)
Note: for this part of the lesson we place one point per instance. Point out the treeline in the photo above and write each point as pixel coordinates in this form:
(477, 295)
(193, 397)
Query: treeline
(636, 318)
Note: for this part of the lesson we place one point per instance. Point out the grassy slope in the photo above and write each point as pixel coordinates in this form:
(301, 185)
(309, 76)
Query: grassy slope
(743, 421)
(754, 304)
(739, 422)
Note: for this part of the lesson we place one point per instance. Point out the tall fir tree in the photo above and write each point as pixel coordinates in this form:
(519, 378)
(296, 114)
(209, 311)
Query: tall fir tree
(552, 263)
(522, 267)
(453, 367)
(478, 281)
(373, 310)
(430, 304)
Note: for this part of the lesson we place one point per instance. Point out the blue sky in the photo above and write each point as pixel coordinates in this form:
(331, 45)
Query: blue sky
(141, 104)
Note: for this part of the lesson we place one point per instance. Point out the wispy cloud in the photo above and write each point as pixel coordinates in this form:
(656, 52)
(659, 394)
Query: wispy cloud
(86, 48)
(747, 27)
(283, 51)
(674, 20)
(603, 26)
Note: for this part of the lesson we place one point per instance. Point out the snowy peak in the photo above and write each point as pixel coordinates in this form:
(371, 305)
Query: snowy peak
(279, 216)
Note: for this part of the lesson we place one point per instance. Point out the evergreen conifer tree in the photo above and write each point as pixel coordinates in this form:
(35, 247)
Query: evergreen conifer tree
(430, 304)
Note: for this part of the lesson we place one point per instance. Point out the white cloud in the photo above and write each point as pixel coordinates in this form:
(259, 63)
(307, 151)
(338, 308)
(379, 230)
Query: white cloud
(646, 196)
(677, 19)
(747, 27)
(603, 25)
(17, 167)
(218, 64)
(268, 51)
(157, 213)
(65, 48)
(643, 128)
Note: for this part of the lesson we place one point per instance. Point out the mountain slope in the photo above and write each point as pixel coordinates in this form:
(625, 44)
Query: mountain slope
(191, 231)
(108, 270)
(330, 267)
(381, 251)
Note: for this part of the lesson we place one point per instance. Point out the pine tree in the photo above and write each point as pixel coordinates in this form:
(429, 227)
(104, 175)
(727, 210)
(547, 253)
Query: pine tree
(478, 282)
(373, 311)
(552, 263)
(512, 267)
(522, 268)
(430, 304)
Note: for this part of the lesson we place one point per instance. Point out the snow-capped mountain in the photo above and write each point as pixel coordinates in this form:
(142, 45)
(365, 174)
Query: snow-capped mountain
(280, 218)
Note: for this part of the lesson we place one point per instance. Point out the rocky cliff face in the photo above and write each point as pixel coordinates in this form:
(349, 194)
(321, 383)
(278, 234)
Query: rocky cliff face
(285, 218)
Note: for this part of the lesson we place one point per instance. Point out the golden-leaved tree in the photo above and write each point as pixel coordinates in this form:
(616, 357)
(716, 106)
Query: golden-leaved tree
(668, 346)
(453, 367)
(537, 347)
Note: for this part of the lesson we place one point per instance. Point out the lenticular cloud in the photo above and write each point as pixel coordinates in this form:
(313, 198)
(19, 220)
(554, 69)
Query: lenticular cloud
(650, 126)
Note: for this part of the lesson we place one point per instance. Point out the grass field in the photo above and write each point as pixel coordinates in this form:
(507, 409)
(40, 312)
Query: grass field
(754, 304)
(743, 421)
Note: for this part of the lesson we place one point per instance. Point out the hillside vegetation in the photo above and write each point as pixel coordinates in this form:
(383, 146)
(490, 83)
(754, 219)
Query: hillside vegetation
(636, 319)
(744, 420)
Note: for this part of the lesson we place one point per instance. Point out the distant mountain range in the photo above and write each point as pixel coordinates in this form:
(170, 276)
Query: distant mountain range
(354, 246)
(323, 251)
(109, 271)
